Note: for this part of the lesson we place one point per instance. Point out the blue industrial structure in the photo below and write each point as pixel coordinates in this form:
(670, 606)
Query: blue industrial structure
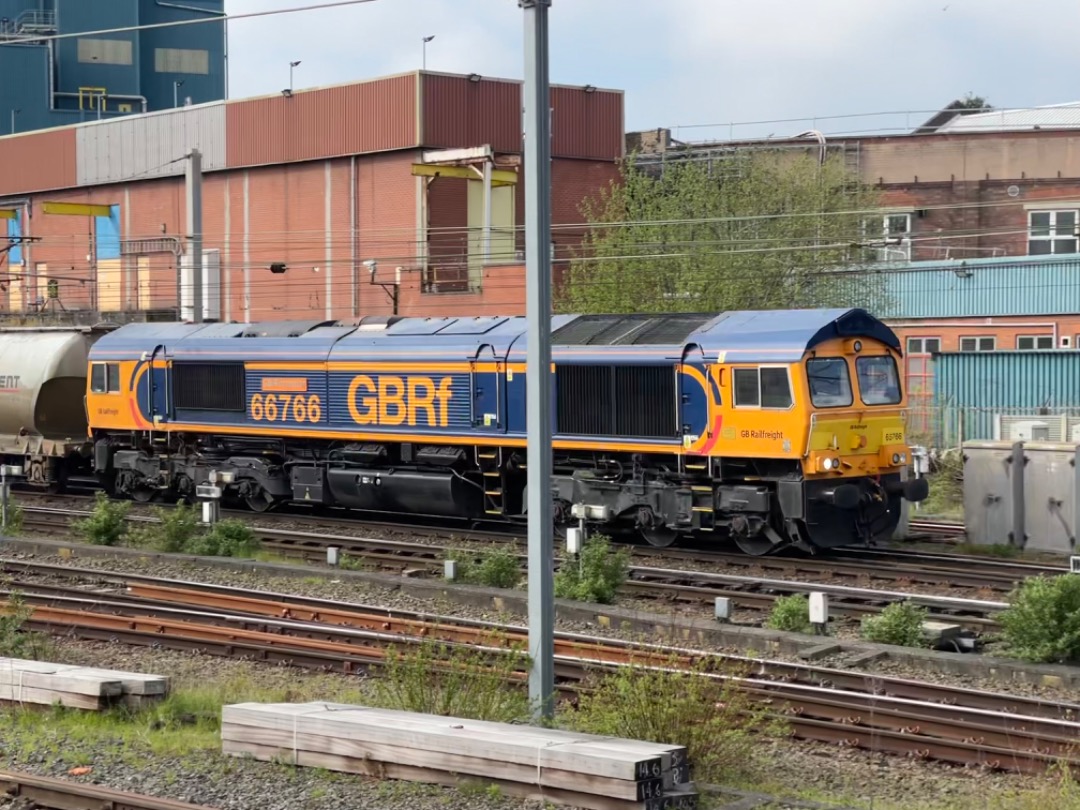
(58, 78)
(971, 288)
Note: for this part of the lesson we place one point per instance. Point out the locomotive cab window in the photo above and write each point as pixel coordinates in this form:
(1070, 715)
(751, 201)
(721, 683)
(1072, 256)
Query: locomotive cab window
(768, 387)
(830, 383)
(879, 382)
(105, 378)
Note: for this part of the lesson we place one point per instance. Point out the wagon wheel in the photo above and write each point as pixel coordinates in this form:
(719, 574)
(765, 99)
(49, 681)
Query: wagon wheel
(259, 500)
(659, 536)
(143, 494)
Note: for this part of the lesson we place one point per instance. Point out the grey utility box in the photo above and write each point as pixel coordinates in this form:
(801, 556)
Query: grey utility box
(1051, 491)
(992, 489)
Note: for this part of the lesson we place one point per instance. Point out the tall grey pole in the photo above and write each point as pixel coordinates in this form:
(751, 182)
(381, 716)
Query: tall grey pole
(194, 235)
(538, 356)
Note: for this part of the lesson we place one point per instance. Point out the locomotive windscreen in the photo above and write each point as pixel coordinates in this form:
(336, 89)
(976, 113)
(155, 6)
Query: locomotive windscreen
(629, 401)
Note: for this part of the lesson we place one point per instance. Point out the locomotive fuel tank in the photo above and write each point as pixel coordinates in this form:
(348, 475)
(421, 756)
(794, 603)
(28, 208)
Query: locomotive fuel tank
(43, 383)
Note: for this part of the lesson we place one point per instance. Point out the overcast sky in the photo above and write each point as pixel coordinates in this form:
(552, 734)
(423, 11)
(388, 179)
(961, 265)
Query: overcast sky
(693, 62)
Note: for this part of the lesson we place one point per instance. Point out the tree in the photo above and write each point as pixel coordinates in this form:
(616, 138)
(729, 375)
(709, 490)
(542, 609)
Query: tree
(753, 230)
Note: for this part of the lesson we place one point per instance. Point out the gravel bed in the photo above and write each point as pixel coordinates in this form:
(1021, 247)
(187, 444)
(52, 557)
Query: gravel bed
(322, 584)
(146, 760)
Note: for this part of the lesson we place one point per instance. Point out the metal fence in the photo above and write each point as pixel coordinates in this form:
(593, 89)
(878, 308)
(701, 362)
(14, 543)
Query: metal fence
(944, 426)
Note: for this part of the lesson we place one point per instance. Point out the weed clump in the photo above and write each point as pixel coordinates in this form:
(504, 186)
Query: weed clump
(15, 640)
(900, 623)
(790, 614)
(433, 677)
(1042, 622)
(595, 574)
(495, 568)
(712, 716)
(107, 524)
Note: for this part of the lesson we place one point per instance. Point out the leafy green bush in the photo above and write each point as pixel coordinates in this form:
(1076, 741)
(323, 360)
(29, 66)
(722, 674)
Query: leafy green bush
(900, 623)
(107, 524)
(495, 568)
(791, 614)
(228, 538)
(595, 574)
(433, 677)
(1042, 622)
(177, 529)
(15, 518)
(713, 717)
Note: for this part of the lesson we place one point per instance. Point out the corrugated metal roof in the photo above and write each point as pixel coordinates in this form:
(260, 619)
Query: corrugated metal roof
(1055, 116)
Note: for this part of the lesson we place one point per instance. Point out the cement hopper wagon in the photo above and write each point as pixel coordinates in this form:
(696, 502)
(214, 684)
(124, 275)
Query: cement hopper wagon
(43, 422)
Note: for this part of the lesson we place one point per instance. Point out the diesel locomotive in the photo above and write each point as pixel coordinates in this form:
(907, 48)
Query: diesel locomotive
(767, 429)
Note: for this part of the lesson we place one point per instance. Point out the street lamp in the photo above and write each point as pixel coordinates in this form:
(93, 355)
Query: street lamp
(291, 66)
(425, 42)
(176, 92)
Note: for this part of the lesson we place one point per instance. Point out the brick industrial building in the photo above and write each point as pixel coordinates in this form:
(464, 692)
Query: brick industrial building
(300, 190)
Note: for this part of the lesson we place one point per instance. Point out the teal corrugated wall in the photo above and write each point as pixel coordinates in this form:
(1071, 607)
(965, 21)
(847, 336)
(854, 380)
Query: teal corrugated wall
(975, 386)
(973, 288)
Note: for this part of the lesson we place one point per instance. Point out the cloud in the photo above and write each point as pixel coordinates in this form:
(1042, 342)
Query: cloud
(694, 61)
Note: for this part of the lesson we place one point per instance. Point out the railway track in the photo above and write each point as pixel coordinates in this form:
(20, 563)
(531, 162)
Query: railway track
(895, 715)
(45, 793)
(751, 591)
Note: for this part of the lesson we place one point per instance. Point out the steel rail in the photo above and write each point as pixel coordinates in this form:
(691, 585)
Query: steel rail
(644, 581)
(947, 731)
(46, 793)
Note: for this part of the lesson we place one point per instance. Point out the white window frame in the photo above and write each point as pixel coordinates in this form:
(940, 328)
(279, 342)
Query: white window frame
(1053, 237)
(978, 343)
(1048, 340)
(921, 341)
(878, 230)
(759, 406)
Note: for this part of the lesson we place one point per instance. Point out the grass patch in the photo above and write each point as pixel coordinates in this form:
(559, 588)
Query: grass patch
(15, 640)
(900, 623)
(1002, 550)
(186, 722)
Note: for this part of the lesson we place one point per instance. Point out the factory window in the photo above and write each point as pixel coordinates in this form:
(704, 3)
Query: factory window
(1032, 342)
(923, 345)
(181, 60)
(830, 383)
(105, 51)
(105, 378)
(764, 388)
(1052, 232)
(978, 344)
(889, 238)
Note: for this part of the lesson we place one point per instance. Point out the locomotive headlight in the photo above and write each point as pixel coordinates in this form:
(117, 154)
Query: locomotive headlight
(827, 463)
(899, 458)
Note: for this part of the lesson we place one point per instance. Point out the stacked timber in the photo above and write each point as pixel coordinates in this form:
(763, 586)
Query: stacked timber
(579, 770)
(23, 681)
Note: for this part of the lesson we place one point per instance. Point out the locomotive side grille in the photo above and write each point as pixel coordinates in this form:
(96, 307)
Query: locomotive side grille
(584, 403)
(627, 401)
(645, 402)
(209, 386)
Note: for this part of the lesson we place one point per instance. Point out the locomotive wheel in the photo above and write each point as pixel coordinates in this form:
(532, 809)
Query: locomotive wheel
(755, 546)
(259, 502)
(659, 536)
(143, 494)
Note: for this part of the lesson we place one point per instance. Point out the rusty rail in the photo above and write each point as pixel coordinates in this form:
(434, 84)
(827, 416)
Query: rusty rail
(46, 793)
(933, 722)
